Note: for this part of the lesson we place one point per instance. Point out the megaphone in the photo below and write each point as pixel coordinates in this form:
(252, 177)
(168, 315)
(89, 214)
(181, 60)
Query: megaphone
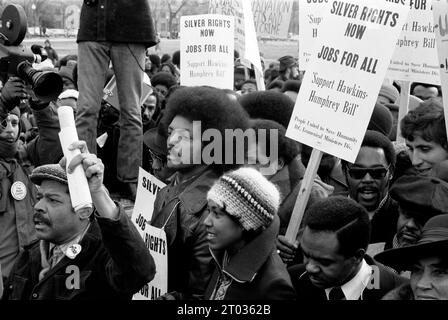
(47, 85)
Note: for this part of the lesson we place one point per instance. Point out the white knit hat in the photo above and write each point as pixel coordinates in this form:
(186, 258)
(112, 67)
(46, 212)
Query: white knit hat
(248, 196)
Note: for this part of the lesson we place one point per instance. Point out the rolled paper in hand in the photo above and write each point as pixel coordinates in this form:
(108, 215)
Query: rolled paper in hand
(77, 181)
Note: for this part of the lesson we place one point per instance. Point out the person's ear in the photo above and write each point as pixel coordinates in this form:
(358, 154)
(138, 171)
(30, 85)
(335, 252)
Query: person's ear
(359, 255)
(281, 163)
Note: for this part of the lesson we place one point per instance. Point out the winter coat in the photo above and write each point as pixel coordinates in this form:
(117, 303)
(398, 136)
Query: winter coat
(44, 149)
(403, 292)
(181, 210)
(122, 21)
(257, 271)
(114, 263)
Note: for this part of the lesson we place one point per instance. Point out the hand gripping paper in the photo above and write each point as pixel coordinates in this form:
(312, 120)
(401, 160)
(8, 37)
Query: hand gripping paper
(77, 181)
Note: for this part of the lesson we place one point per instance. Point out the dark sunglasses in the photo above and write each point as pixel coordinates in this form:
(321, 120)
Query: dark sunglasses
(376, 173)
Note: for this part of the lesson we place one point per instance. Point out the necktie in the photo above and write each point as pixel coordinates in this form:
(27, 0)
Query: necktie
(56, 256)
(336, 294)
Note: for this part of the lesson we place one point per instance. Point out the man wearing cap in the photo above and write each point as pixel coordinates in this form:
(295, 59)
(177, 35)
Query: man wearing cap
(427, 260)
(419, 199)
(79, 257)
(289, 70)
(17, 193)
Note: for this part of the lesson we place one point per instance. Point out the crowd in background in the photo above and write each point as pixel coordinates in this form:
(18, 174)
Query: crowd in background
(373, 229)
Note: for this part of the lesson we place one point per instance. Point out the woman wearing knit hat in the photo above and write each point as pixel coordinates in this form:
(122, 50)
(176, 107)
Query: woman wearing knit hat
(242, 226)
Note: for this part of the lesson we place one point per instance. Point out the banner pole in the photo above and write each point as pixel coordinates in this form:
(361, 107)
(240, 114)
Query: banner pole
(404, 105)
(303, 196)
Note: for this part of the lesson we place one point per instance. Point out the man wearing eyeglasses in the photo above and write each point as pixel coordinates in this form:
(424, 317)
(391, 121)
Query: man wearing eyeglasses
(368, 182)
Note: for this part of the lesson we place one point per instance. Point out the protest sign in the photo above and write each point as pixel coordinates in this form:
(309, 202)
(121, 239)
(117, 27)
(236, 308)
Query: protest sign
(147, 188)
(405, 92)
(311, 14)
(110, 91)
(440, 13)
(338, 94)
(246, 42)
(206, 48)
(415, 56)
(272, 17)
(155, 239)
(232, 8)
(348, 66)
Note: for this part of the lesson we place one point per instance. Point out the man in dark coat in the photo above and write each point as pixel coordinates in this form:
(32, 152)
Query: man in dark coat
(117, 31)
(427, 260)
(419, 199)
(79, 257)
(336, 266)
(368, 181)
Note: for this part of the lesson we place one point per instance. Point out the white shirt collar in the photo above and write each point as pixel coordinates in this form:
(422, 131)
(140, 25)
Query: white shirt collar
(354, 288)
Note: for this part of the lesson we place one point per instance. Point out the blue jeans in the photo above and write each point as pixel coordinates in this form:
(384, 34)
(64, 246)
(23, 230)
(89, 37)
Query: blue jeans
(128, 63)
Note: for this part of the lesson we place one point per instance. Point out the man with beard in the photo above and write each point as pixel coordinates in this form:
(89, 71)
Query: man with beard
(79, 257)
(419, 199)
(289, 69)
(336, 266)
(425, 133)
(368, 184)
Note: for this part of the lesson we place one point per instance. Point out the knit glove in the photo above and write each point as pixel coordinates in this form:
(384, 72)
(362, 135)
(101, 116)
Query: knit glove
(12, 92)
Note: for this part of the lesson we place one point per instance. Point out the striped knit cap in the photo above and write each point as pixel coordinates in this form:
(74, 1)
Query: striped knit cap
(248, 196)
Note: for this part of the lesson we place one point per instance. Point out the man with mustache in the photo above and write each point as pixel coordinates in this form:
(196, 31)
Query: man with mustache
(78, 256)
(368, 182)
(425, 133)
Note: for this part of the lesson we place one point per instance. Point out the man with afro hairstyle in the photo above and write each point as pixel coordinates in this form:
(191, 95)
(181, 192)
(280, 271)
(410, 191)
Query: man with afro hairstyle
(269, 105)
(181, 207)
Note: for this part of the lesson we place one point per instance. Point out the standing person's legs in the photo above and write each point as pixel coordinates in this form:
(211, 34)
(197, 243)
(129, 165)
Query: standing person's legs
(93, 62)
(128, 62)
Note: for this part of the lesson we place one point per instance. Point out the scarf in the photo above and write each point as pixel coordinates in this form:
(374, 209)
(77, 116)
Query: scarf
(8, 150)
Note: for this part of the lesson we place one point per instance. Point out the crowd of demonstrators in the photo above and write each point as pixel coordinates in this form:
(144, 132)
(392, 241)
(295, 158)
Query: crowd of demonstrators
(372, 229)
